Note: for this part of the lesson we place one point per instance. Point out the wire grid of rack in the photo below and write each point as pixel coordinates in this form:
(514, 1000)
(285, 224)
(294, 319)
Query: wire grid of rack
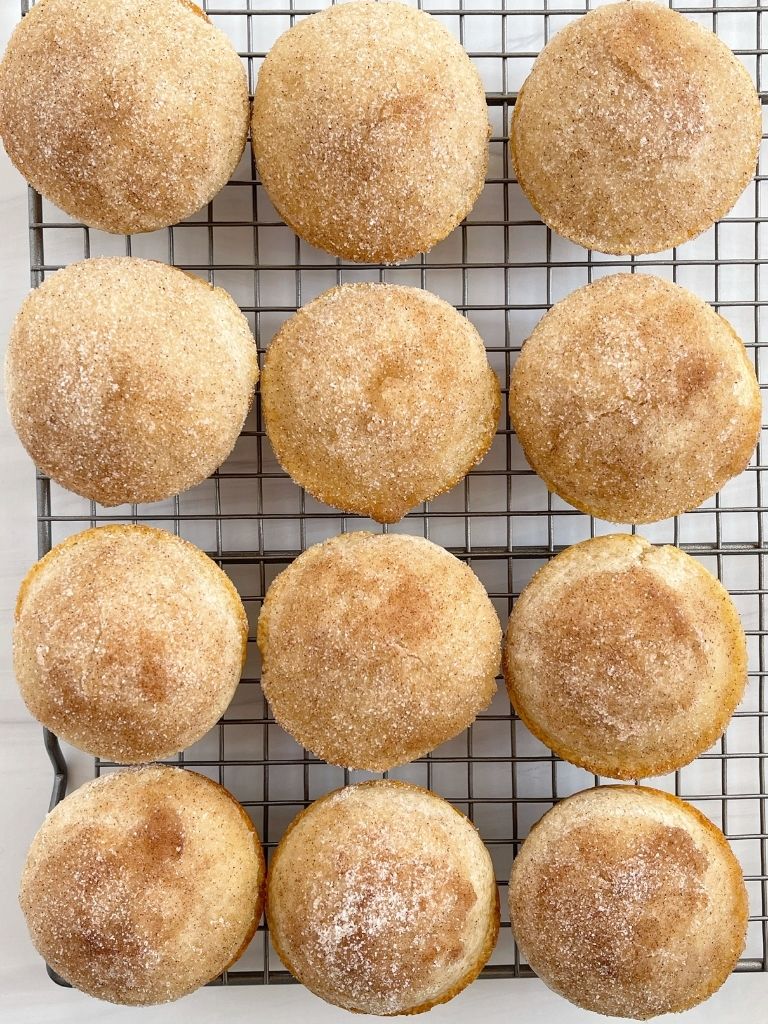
(503, 269)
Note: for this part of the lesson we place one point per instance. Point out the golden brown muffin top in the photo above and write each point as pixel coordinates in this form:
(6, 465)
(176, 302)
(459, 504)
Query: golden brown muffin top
(377, 648)
(129, 642)
(625, 658)
(382, 899)
(634, 400)
(370, 130)
(129, 380)
(636, 129)
(129, 115)
(628, 902)
(378, 397)
(144, 885)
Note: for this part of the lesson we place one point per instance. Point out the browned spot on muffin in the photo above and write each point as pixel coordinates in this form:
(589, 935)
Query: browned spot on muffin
(195, 8)
(613, 634)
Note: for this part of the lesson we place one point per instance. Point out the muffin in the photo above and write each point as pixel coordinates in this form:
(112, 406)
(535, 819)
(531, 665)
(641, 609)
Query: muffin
(382, 899)
(128, 643)
(144, 885)
(625, 659)
(378, 397)
(128, 380)
(636, 129)
(628, 902)
(370, 131)
(634, 401)
(376, 648)
(129, 115)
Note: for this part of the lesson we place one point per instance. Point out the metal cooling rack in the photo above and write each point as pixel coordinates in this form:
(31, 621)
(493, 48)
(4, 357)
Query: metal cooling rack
(503, 269)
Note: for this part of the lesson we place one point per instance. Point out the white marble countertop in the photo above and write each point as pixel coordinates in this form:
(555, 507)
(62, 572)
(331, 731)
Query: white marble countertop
(26, 994)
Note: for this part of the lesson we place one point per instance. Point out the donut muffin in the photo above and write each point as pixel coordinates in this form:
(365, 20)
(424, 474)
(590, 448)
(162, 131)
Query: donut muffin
(635, 401)
(378, 397)
(377, 648)
(129, 115)
(628, 902)
(144, 885)
(128, 380)
(625, 659)
(382, 899)
(636, 129)
(128, 643)
(370, 131)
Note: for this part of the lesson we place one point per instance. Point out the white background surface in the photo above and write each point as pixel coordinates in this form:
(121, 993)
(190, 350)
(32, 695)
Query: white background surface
(26, 994)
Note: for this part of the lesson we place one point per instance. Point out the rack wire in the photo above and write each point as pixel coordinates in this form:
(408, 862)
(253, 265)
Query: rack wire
(503, 269)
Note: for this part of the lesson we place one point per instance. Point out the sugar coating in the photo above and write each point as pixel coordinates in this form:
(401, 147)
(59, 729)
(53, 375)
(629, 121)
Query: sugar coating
(377, 397)
(377, 648)
(129, 642)
(382, 899)
(624, 658)
(628, 902)
(143, 885)
(129, 115)
(128, 380)
(636, 129)
(634, 401)
(370, 130)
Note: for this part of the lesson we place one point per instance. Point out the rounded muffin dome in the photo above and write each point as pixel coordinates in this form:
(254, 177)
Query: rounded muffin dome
(634, 400)
(376, 648)
(624, 658)
(378, 397)
(382, 899)
(628, 902)
(370, 130)
(129, 115)
(128, 380)
(636, 129)
(128, 643)
(143, 885)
